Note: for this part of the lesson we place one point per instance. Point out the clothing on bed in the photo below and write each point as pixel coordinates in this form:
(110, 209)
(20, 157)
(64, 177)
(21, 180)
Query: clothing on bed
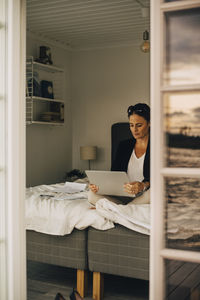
(123, 155)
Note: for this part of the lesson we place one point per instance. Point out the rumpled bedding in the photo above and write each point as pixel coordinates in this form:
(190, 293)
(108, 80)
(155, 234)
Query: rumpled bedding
(45, 213)
(56, 213)
(132, 216)
(59, 213)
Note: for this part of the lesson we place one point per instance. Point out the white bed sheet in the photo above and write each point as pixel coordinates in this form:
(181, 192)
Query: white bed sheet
(59, 217)
(183, 220)
(47, 215)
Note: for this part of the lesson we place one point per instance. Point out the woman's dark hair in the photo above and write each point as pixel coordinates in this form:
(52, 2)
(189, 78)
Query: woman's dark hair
(140, 109)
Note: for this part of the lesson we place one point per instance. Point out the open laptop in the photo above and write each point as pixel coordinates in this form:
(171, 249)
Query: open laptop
(109, 182)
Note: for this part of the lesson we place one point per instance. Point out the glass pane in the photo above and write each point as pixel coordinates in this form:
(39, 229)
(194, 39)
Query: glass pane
(182, 129)
(182, 280)
(182, 213)
(182, 47)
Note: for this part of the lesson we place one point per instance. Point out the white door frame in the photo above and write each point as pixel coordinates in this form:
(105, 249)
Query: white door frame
(15, 144)
(3, 269)
(158, 252)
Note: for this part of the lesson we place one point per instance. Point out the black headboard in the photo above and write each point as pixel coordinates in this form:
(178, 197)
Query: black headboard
(119, 132)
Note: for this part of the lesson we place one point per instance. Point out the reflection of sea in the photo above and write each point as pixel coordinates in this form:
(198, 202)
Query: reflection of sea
(183, 158)
(185, 191)
(182, 141)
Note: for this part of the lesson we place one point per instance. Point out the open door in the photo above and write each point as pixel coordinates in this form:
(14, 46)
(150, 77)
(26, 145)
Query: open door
(12, 150)
(175, 163)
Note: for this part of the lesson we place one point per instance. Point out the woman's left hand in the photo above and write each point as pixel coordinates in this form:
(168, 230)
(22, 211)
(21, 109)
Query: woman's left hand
(133, 188)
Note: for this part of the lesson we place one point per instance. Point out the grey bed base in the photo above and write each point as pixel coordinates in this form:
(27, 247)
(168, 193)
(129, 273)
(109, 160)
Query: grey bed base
(67, 251)
(118, 251)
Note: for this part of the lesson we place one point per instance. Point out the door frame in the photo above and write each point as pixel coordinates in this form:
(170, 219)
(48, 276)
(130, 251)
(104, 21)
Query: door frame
(15, 149)
(158, 251)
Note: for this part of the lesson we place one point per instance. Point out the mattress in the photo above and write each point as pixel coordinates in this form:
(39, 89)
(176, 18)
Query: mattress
(119, 251)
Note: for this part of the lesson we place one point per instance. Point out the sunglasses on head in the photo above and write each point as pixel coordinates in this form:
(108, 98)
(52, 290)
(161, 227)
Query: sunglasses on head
(132, 109)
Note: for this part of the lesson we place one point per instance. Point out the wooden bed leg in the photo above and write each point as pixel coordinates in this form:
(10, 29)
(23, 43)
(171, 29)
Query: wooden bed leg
(98, 286)
(195, 294)
(82, 281)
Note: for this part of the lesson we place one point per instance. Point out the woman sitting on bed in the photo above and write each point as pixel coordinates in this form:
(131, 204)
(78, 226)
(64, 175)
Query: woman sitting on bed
(133, 155)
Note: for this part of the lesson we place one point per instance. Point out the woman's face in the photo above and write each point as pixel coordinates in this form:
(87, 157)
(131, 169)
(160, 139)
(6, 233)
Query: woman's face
(139, 126)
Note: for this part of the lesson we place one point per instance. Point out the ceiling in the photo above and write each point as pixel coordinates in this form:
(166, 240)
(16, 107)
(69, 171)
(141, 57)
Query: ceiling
(81, 24)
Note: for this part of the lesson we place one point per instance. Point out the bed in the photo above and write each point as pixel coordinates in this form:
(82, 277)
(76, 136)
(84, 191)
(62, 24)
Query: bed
(64, 229)
(75, 248)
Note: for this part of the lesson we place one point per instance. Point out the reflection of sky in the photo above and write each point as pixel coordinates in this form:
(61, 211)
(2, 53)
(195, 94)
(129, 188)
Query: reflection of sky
(183, 44)
(182, 110)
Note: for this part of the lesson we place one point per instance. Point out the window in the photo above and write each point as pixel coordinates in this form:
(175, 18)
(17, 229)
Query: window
(175, 150)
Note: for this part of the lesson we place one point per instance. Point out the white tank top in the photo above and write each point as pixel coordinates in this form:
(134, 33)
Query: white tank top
(135, 167)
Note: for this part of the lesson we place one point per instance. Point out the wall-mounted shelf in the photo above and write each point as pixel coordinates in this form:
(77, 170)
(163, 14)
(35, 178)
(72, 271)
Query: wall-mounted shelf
(46, 123)
(34, 98)
(39, 66)
(44, 94)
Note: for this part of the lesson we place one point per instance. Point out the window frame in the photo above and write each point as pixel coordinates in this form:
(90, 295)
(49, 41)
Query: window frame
(13, 155)
(158, 252)
(3, 269)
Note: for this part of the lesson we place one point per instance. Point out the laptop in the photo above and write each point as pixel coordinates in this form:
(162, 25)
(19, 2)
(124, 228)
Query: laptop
(109, 182)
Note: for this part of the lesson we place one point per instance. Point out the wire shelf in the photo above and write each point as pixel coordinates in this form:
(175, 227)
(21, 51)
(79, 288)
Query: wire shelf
(44, 93)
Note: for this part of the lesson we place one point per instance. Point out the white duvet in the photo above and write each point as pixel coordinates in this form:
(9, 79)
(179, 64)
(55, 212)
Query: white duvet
(48, 214)
(54, 213)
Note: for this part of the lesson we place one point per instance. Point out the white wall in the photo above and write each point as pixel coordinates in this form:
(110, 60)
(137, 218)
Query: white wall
(104, 83)
(101, 85)
(49, 148)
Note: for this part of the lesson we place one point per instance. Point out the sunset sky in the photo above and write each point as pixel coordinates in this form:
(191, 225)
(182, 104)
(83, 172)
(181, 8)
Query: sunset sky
(183, 67)
(182, 110)
(183, 44)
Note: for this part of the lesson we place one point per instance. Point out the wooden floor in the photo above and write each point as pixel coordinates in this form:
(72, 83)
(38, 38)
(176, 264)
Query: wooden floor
(45, 281)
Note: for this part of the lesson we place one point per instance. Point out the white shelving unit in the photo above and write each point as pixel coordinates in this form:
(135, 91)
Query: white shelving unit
(44, 105)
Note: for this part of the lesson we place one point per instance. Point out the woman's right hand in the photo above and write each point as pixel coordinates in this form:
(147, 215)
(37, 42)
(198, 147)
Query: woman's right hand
(94, 188)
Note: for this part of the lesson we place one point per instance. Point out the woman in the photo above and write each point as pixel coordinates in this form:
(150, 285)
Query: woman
(133, 155)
